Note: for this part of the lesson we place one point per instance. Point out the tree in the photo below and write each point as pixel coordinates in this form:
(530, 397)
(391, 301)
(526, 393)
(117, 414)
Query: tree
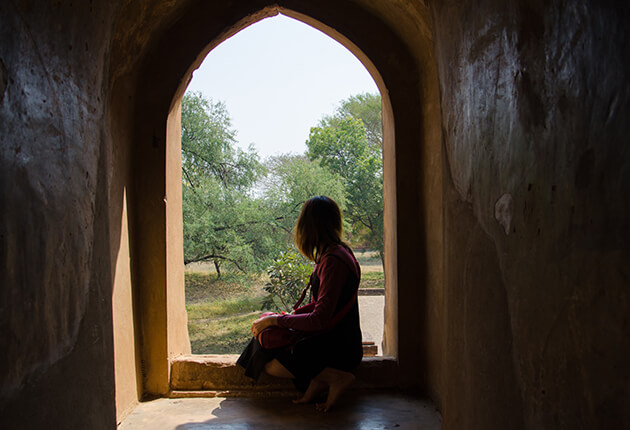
(208, 149)
(367, 108)
(221, 218)
(293, 179)
(239, 213)
(340, 142)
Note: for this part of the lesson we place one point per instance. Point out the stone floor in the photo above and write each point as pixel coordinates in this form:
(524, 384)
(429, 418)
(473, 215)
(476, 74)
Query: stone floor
(357, 410)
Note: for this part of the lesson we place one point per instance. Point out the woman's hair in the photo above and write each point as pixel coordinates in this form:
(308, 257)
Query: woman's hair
(318, 227)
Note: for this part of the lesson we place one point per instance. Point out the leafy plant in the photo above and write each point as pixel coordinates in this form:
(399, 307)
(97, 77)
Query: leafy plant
(288, 276)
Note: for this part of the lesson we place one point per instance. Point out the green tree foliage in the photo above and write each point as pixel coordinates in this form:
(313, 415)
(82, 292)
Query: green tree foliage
(367, 108)
(340, 142)
(239, 213)
(208, 149)
(222, 222)
(293, 179)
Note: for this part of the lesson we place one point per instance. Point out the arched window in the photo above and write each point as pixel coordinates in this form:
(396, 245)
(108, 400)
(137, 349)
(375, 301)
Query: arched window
(411, 165)
(246, 176)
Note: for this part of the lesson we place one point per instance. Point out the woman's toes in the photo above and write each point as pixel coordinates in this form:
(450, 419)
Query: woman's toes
(322, 407)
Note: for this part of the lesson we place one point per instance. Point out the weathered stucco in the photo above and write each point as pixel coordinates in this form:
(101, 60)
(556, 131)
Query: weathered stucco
(55, 280)
(535, 101)
(507, 169)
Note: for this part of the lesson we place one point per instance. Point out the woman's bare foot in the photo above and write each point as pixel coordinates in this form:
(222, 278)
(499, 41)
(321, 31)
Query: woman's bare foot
(315, 388)
(338, 381)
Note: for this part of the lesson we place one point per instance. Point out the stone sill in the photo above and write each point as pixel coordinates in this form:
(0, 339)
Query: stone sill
(219, 376)
(371, 292)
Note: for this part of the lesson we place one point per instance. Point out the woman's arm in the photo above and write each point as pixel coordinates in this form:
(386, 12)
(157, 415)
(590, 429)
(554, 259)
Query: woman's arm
(262, 323)
(304, 309)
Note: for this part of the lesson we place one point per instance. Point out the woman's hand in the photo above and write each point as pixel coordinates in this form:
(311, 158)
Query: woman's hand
(262, 323)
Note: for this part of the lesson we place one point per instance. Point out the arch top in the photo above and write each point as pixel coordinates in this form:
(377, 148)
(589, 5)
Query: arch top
(272, 11)
(343, 40)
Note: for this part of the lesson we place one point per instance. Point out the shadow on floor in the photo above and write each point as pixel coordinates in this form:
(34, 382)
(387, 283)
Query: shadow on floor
(357, 410)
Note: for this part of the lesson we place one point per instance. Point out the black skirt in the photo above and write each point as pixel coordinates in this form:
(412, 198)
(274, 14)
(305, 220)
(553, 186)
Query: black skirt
(253, 359)
(339, 348)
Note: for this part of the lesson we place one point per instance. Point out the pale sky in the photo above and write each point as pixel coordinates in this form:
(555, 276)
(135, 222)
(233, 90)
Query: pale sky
(278, 77)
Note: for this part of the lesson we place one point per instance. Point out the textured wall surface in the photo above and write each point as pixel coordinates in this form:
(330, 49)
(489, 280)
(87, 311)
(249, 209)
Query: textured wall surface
(535, 101)
(522, 320)
(55, 280)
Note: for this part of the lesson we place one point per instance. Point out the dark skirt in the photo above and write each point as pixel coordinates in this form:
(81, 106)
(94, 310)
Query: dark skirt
(253, 359)
(339, 349)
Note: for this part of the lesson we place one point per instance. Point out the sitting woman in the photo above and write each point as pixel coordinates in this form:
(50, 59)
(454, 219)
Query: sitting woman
(330, 348)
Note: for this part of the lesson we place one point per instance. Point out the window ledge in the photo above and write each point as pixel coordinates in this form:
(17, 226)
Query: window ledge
(219, 375)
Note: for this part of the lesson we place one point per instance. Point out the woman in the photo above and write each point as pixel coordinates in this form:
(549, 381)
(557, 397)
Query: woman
(326, 355)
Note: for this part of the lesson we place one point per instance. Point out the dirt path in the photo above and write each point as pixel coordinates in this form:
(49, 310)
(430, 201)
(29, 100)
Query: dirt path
(371, 313)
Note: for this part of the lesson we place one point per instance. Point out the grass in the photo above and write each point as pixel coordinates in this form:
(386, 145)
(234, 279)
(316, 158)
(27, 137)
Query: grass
(227, 335)
(203, 287)
(368, 258)
(372, 280)
(221, 310)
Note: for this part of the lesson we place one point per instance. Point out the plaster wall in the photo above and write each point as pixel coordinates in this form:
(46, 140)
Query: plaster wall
(535, 101)
(179, 342)
(128, 374)
(511, 170)
(56, 267)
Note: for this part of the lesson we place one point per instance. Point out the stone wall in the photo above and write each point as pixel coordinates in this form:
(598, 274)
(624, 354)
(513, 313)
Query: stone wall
(535, 102)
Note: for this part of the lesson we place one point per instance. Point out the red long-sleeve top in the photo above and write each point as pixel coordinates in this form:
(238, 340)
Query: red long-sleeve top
(333, 275)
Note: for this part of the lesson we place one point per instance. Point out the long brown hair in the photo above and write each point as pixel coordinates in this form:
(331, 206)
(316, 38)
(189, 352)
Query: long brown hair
(318, 227)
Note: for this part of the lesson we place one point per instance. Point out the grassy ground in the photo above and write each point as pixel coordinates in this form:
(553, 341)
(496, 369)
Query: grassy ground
(372, 280)
(221, 311)
(368, 259)
(227, 335)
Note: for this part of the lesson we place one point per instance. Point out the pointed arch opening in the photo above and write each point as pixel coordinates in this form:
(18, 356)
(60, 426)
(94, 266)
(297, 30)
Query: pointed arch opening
(282, 78)
(411, 156)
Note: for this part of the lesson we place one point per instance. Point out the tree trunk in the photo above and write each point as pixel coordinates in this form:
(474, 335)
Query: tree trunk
(217, 267)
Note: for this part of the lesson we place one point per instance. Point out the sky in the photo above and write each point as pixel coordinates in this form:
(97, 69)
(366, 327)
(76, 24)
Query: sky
(278, 78)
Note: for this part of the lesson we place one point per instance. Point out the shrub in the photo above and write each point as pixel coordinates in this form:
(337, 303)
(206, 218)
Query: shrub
(288, 276)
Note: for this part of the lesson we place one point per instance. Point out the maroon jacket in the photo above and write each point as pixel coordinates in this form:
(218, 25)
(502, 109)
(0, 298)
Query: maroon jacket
(333, 272)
